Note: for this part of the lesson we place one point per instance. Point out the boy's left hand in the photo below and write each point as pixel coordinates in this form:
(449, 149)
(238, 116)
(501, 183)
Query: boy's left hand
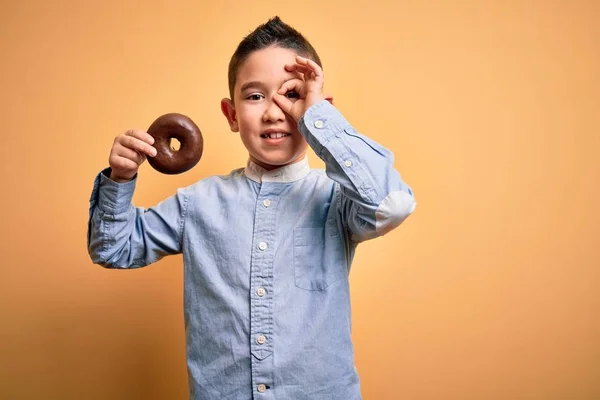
(309, 90)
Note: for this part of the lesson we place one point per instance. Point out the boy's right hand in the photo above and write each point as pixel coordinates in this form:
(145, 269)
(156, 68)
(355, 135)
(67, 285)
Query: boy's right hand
(129, 151)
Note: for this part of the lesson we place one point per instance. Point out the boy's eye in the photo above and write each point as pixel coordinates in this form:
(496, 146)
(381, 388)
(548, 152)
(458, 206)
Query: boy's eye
(255, 96)
(292, 94)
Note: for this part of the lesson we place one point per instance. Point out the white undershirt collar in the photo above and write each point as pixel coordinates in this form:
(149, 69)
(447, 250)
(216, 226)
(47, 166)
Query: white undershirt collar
(285, 174)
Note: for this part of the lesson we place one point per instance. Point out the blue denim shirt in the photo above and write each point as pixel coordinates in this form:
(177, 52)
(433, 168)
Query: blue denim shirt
(266, 261)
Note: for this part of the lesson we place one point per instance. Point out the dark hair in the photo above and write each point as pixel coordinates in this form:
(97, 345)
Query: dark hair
(274, 32)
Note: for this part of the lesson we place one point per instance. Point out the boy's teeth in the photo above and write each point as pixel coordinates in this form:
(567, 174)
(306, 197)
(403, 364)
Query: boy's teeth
(275, 135)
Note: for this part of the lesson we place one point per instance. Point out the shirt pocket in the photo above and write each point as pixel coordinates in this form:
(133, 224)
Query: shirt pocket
(319, 258)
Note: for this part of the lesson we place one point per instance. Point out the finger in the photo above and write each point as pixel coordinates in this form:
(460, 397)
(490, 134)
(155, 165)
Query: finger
(132, 155)
(136, 144)
(311, 64)
(303, 72)
(298, 68)
(284, 103)
(121, 163)
(304, 64)
(292, 84)
(139, 134)
(307, 72)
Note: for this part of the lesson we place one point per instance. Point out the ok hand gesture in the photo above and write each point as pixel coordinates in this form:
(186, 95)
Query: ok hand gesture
(308, 91)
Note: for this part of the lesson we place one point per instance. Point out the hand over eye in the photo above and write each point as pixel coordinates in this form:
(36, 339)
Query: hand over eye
(298, 95)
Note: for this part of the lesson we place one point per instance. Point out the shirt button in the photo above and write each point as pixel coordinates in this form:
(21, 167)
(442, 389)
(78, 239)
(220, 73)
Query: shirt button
(267, 203)
(262, 245)
(262, 388)
(348, 163)
(260, 292)
(319, 124)
(261, 339)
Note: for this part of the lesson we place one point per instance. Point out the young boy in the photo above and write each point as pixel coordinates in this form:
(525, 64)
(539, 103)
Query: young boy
(267, 249)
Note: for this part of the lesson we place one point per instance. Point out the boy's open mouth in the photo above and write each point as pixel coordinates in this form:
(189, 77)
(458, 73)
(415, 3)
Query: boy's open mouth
(275, 135)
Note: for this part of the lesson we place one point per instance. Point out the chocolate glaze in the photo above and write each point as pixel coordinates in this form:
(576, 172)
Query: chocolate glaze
(182, 128)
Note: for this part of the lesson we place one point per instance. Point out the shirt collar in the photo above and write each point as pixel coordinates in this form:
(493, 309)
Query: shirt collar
(285, 174)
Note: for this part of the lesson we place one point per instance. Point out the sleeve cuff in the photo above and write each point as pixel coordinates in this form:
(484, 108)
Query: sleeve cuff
(113, 196)
(320, 123)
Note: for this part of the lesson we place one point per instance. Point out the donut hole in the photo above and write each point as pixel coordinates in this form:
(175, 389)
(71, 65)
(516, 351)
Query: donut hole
(174, 144)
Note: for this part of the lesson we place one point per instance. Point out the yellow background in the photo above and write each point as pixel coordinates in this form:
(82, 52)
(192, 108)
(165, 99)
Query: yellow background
(489, 291)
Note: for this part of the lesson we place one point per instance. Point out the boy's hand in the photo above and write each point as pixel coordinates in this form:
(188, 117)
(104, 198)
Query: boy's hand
(128, 152)
(309, 90)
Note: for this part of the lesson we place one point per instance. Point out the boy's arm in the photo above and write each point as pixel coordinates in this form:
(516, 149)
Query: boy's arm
(123, 236)
(374, 199)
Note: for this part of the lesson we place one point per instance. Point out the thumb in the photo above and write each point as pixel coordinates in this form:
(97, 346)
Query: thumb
(283, 102)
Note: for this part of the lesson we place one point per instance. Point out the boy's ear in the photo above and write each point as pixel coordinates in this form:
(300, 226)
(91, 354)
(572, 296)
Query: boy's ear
(329, 98)
(229, 112)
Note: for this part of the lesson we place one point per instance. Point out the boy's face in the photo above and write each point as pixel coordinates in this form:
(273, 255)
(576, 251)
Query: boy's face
(270, 135)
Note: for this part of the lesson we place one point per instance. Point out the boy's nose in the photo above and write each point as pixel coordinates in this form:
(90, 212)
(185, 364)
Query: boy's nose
(273, 113)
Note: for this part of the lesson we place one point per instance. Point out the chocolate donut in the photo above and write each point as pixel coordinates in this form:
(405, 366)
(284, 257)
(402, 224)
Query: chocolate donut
(180, 127)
